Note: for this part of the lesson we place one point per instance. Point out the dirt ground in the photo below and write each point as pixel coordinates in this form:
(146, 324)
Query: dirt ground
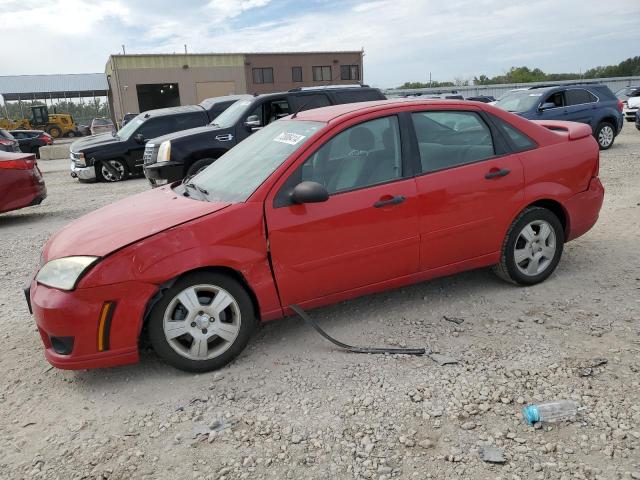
(293, 406)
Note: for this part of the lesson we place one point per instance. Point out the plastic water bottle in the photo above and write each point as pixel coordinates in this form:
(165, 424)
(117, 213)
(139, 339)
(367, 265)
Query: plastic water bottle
(550, 411)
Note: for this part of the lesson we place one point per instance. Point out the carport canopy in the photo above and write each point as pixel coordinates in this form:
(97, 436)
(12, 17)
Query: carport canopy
(40, 87)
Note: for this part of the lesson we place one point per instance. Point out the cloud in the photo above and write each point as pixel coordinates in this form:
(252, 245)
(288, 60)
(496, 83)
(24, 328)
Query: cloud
(403, 39)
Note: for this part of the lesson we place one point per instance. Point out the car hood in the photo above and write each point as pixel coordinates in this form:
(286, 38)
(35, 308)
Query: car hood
(127, 221)
(93, 141)
(188, 133)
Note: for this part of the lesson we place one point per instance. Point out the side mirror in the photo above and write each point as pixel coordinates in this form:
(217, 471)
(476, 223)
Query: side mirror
(252, 122)
(309, 192)
(139, 138)
(547, 105)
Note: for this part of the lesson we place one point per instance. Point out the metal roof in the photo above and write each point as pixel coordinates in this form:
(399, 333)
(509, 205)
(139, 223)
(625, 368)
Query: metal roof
(57, 86)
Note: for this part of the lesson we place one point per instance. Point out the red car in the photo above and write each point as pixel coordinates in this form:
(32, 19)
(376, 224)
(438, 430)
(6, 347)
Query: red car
(21, 183)
(322, 206)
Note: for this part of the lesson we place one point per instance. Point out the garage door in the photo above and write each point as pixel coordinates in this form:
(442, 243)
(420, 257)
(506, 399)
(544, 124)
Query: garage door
(214, 89)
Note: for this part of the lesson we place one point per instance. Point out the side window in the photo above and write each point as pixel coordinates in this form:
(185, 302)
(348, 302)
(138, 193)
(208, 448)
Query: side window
(556, 98)
(155, 127)
(271, 111)
(190, 120)
(311, 101)
(360, 156)
(520, 141)
(579, 96)
(450, 138)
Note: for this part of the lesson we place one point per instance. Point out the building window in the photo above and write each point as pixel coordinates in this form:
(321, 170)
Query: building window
(263, 75)
(296, 74)
(350, 72)
(322, 74)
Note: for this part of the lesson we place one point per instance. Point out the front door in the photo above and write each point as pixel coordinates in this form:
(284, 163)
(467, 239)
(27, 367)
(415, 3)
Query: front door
(465, 188)
(365, 233)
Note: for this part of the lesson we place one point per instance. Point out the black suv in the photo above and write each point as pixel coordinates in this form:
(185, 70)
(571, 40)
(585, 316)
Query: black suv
(173, 157)
(113, 157)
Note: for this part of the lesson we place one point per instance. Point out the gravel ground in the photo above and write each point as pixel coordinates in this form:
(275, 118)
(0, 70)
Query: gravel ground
(292, 406)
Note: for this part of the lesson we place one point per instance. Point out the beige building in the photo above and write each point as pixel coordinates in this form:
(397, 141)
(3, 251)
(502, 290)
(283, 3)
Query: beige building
(144, 82)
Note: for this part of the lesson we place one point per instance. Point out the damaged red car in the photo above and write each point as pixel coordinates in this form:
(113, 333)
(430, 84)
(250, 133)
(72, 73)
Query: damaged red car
(319, 207)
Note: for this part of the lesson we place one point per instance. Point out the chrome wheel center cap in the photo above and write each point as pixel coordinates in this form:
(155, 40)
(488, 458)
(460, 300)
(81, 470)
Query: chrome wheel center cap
(202, 321)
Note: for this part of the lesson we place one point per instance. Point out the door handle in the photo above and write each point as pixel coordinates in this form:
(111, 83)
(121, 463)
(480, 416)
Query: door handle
(390, 201)
(493, 173)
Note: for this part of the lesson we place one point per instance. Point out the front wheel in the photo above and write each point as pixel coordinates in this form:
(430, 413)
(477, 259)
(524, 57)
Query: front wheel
(111, 170)
(532, 248)
(605, 135)
(202, 323)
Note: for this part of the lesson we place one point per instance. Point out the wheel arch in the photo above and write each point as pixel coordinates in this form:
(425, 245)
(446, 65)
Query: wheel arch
(554, 207)
(201, 155)
(608, 119)
(230, 272)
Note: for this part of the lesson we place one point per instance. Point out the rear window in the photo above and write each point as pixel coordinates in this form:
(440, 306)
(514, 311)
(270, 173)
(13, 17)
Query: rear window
(309, 101)
(579, 96)
(519, 140)
(355, 95)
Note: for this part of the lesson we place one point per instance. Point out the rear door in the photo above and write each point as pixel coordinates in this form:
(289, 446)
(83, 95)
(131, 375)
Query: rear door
(580, 105)
(365, 233)
(468, 180)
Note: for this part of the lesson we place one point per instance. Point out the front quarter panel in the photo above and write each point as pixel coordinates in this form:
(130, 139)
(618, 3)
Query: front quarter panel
(233, 238)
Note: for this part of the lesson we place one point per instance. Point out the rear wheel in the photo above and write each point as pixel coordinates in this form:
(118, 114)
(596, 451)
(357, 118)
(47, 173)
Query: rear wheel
(71, 134)
(532, 248)
(111, 170)
(198, 166)
(202, 323)
(55, 132)
(605, 135)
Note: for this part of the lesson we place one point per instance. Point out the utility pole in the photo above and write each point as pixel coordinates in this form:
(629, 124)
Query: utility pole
(123, 50)
(185, 48)
(429, 79)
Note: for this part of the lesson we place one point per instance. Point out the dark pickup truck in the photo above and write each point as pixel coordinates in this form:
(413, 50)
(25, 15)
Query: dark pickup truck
(182, 154)
(114, 157)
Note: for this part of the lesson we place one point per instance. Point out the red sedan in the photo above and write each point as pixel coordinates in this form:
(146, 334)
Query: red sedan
(320, 207)
(21, 183)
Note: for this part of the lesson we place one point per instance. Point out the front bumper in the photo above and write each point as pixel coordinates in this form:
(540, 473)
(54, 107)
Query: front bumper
(584, 209)
(83, 173)
(165, 172)
(630, 114)
(69, 323)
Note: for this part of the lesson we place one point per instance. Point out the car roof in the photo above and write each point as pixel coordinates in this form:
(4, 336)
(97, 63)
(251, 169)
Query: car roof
(159, 112)
(207, 103)
(327, 114)
(26, 131)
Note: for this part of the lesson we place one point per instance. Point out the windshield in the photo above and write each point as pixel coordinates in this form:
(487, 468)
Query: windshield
(231, 115)
(519, 102)
(125, 132)
(237, 174)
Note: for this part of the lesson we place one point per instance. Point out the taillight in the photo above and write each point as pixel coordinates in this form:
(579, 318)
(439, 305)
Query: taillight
(620, 106)
(27, 164)
(6, 142)
(45, 138)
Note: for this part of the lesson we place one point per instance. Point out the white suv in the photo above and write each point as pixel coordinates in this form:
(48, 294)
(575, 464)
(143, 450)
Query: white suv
(101, 125)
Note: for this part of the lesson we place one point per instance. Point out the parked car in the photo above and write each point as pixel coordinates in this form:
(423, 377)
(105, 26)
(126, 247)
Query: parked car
(83, 130)
(21, 182)
(631, 108)
(482, 98)
(172, 157)
(127, 118)
(592, 104)
(112, 158)
(321, 207)
(7, 142)
(101, 125)
(30, 141)
(624, 94)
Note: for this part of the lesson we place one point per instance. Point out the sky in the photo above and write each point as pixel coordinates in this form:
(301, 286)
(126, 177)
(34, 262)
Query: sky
(403, 40)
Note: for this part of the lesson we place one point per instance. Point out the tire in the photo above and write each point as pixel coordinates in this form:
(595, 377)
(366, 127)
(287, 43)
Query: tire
(605, 135)
(36, 152)
(117, 173)
(637, 126)
(71, 134)
(198, 166)
(55, 132)
(539, 256)
(197, 320)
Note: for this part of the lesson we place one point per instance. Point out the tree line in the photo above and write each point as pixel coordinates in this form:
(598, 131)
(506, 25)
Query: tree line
(627, 68)
(81, 112)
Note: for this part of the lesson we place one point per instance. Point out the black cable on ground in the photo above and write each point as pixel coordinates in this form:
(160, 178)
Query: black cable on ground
(402, 351)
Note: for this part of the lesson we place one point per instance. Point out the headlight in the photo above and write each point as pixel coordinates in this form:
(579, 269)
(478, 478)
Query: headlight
(64, 273)
(80, 160)
(164, 152)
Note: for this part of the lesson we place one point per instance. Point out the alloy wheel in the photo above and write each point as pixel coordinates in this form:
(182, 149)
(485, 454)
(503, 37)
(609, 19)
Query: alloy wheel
(605, 136)
(113, 176)
(202, 322)
(535, 248)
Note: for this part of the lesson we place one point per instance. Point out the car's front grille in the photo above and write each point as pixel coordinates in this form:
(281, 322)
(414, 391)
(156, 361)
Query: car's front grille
(150, 154)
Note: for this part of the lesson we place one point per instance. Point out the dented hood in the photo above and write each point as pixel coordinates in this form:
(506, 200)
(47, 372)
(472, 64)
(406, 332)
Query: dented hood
(127, 221)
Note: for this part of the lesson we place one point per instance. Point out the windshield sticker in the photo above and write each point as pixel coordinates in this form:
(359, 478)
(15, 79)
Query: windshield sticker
(289, 138)
(535, 94)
